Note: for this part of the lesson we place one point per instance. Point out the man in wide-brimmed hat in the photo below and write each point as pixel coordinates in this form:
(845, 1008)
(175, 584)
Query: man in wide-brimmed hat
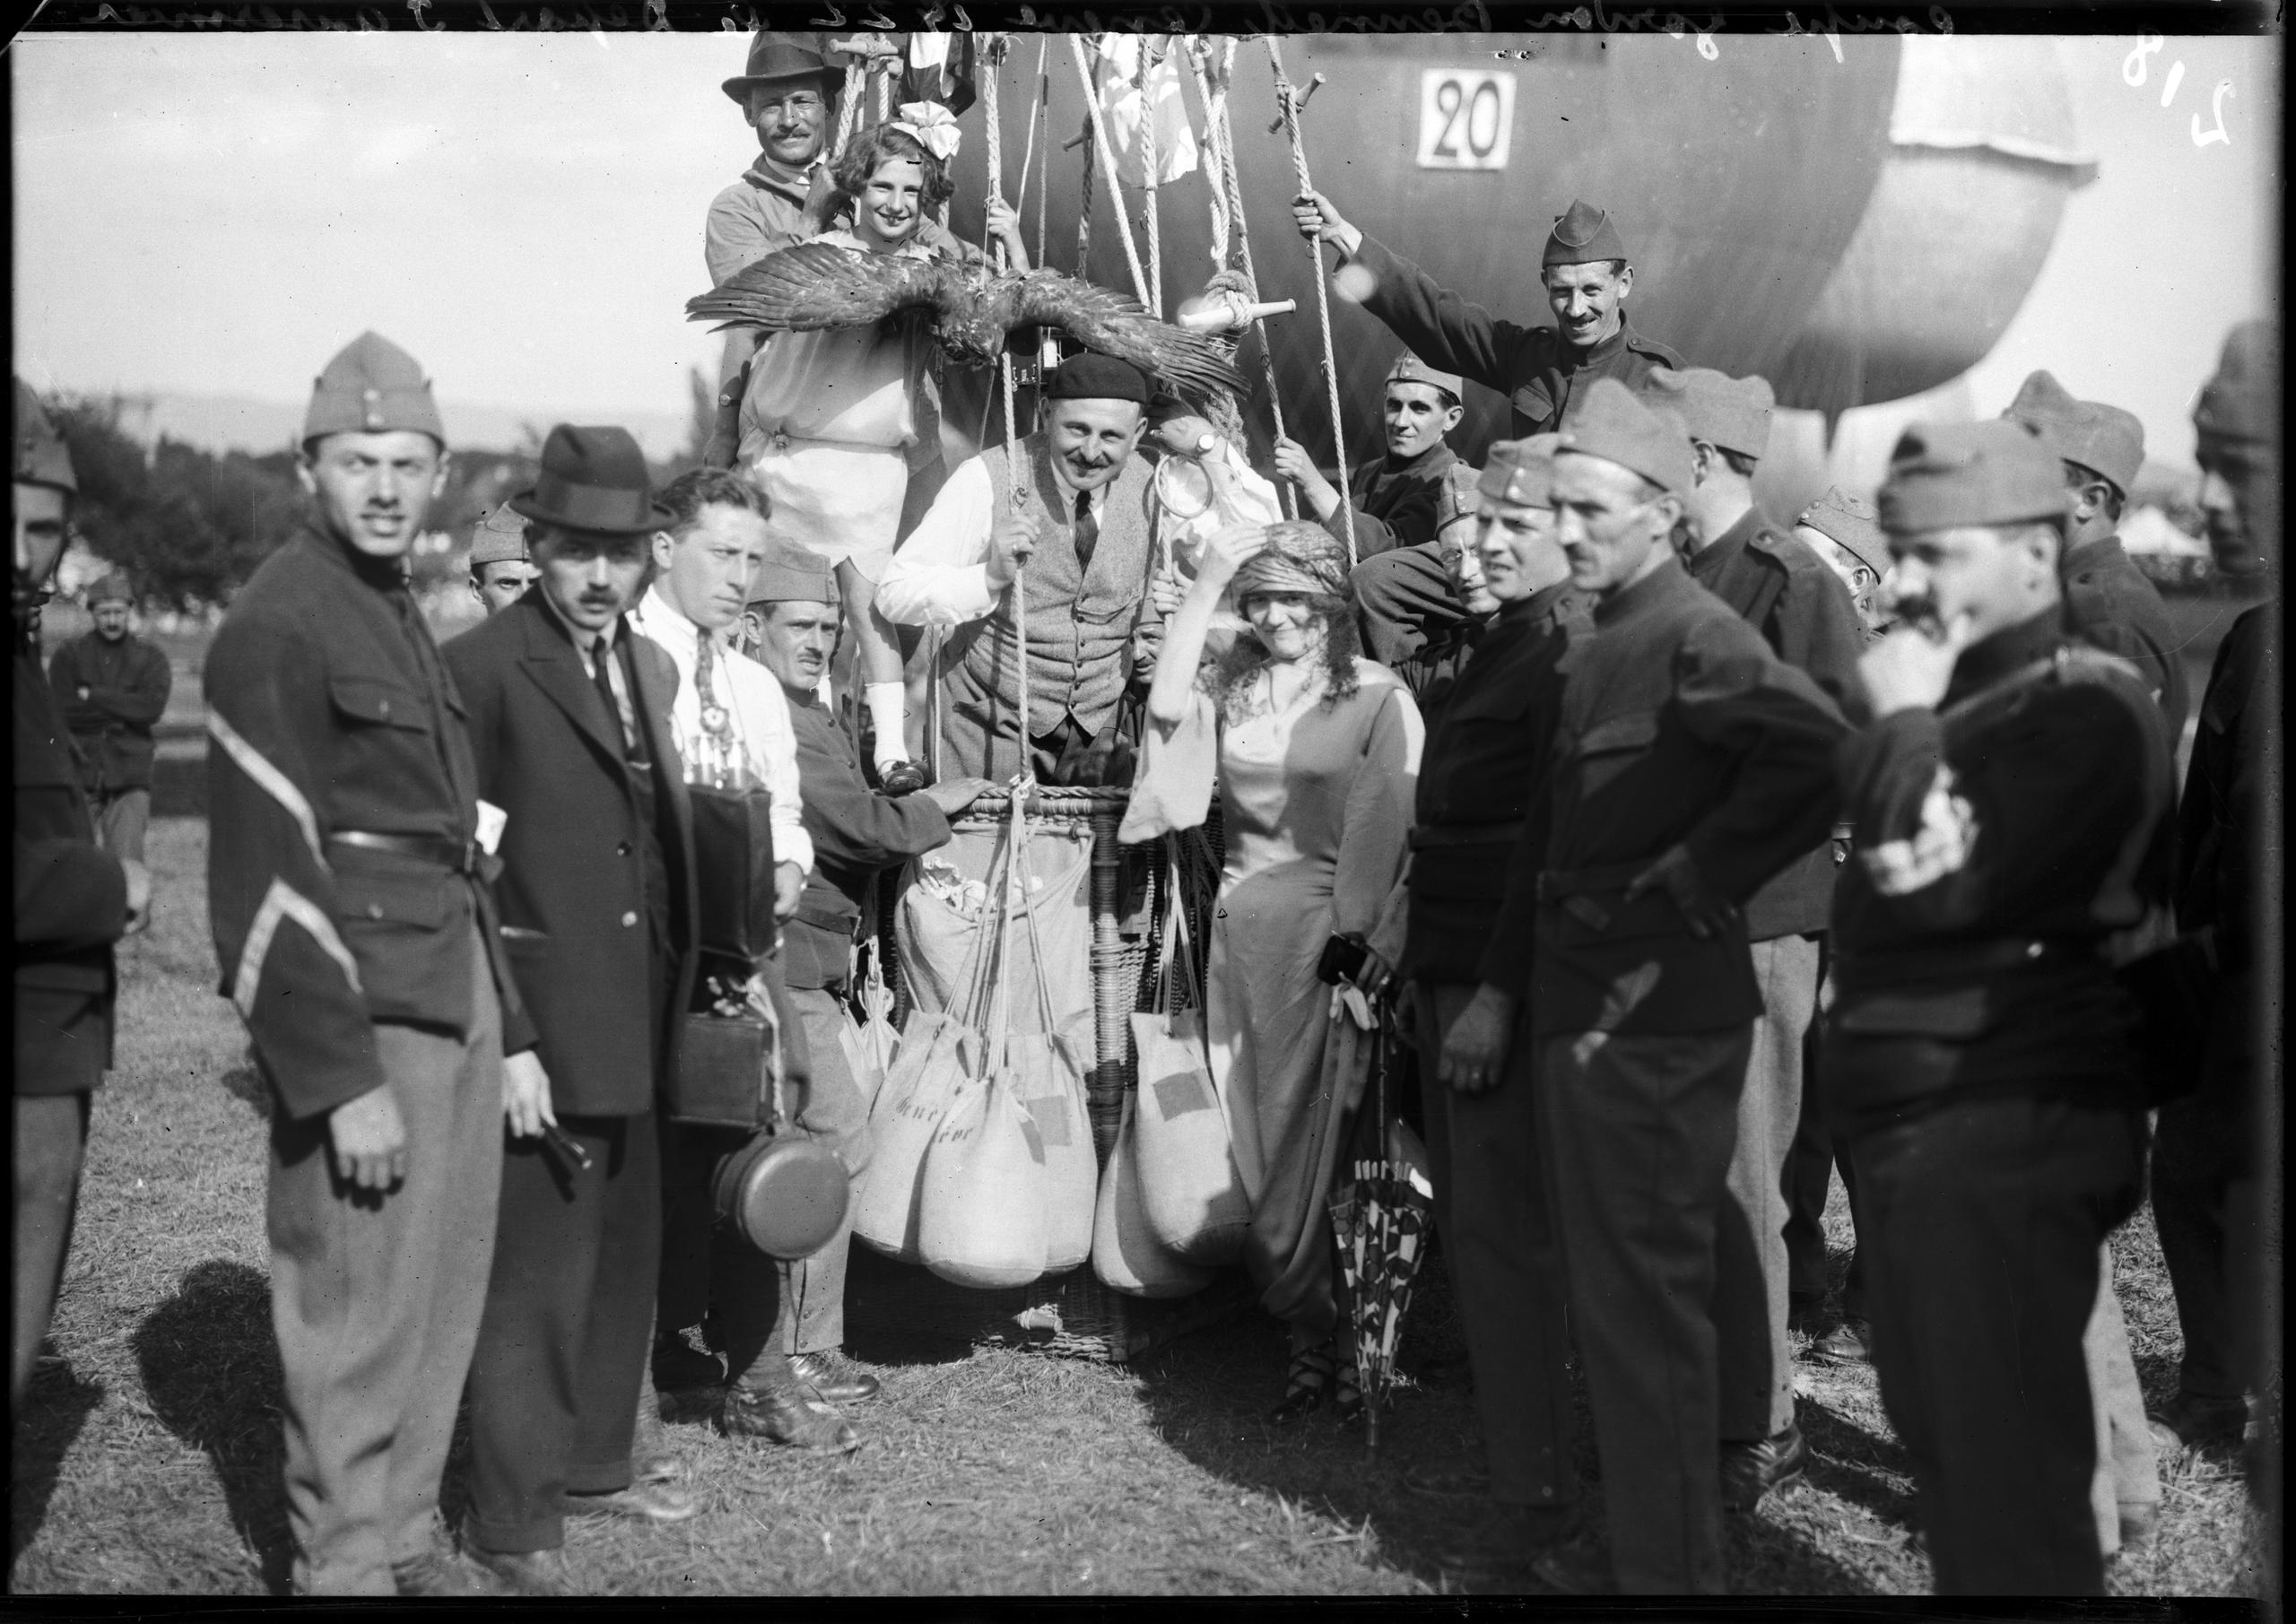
(571, 723)
(354, 924)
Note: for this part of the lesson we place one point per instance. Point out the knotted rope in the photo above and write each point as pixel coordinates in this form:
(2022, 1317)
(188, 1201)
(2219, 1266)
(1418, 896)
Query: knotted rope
(1287, 102)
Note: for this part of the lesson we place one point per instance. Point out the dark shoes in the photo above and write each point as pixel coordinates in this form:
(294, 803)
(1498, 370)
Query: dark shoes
(791, 1413)
(639, 1503)
(1464, 1480)
(528, 1573)
(443, 1571)
(905, 778)
(834, 1377)
(1307, 1383)
(1805, 1311)
(680, 1368)
(1751, 1471)
(2188, 1421)
(1849, 1342)
(1508, 1536)
(1578, 1567)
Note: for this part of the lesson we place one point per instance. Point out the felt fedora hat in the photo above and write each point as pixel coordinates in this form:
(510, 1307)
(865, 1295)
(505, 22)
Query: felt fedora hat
(775, 57)
(594, 480)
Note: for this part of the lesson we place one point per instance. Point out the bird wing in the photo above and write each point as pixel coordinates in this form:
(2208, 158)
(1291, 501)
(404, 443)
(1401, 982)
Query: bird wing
(820, 284)
(1194, 363)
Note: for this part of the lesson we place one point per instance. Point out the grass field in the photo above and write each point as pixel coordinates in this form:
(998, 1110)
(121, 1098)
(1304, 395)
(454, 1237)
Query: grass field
(147, 1457)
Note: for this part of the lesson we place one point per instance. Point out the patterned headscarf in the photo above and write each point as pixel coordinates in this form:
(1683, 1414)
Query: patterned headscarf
(1298, 557)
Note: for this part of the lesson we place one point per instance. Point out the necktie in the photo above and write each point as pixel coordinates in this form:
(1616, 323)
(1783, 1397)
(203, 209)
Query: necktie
(1088, 532)
(601, 652)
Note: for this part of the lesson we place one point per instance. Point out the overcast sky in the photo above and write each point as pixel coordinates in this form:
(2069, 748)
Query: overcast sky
(218, 214)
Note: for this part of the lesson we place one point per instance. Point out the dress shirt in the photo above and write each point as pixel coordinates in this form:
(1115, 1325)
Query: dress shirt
(751, 698)
(940, 575)
(587, 644)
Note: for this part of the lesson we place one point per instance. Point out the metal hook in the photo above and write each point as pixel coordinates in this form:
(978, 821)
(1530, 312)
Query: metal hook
(1299, 100)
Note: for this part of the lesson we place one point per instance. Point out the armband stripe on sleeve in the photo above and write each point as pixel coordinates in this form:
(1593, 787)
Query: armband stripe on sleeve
(274, 783)
(284, 902)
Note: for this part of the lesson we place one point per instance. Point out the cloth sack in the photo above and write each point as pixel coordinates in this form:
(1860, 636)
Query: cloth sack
(981, 1199)
(869, 1039)
(1190, 1186)
(1127, 1256)
(945, 901)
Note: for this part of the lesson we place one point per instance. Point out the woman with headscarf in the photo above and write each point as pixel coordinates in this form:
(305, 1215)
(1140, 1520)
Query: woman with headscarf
(1318, 751)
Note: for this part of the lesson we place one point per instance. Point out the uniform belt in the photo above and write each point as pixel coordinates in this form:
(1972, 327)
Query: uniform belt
(1503, 833)
(460, 855)
(1574, 889)
(1962, 959)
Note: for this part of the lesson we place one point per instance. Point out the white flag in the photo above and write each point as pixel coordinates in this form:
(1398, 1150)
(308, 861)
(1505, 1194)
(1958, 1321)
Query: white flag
(1126, 109)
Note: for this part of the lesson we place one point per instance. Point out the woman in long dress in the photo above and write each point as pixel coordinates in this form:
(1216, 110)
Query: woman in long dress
(1317, 752)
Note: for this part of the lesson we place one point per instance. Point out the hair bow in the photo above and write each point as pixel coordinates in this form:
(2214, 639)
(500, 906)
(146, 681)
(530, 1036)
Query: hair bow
(932, 125)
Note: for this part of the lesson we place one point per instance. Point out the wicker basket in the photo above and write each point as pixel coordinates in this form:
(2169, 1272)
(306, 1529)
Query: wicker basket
(1070, 1313)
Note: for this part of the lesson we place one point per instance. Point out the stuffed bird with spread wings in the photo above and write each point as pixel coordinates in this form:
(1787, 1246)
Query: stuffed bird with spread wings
(820, 284)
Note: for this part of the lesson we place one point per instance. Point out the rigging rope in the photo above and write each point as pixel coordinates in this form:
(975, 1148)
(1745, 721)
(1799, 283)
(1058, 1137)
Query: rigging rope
(1287, 102)
(995, 64)
(1108, 166)
(1148, 65)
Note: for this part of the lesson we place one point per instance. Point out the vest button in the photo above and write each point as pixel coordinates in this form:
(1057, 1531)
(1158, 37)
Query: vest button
(621, 848)
(628, 920)
(384, 710)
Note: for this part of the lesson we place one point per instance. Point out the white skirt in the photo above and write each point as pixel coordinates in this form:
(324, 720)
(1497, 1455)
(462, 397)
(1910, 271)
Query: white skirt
(836, 499)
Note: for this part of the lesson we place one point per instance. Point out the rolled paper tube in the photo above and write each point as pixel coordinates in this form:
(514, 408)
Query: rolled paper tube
(1215, 313)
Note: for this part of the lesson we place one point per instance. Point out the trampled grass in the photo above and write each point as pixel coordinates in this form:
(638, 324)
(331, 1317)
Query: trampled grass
(147, 1459)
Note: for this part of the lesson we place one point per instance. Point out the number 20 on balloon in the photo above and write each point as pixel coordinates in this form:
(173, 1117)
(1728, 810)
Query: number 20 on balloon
(2136, 66)
(1467, 118)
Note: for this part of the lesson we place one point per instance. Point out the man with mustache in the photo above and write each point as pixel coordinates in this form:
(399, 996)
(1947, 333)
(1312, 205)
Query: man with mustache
(348, 886)
(2010, 798)
(499, 570)
(571, 722)
(1587, 278)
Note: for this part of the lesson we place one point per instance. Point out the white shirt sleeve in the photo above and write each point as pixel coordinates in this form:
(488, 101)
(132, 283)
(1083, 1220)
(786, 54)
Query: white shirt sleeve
(773, 750)
(939, 576)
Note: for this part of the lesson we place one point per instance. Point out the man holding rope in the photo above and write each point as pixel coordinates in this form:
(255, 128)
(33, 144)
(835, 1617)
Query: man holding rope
(1406, 594)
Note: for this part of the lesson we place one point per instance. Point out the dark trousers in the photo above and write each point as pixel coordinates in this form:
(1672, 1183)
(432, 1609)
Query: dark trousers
(2207, 1208)
(1405, 601)
(1983, 1223)
(1809, 1165)
(705, 1264)
(51, 1140)
(562, 1350)
(1505, 1268)
(1638, 1132)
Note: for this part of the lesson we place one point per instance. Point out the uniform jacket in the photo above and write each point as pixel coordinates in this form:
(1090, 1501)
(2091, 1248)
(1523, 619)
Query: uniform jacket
(2222, 821)
(1785, 591)
(856, 833)
(1532, 367)
(127, 685)
(2108, 602)
(1999, 839)
(1397, 504)
(574, 905)
(329, 708)
(1476, 777)
(70, 904)
(1676, 726)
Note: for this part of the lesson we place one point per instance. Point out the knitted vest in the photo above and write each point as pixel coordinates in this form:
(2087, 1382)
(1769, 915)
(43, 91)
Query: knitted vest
(1080, 621)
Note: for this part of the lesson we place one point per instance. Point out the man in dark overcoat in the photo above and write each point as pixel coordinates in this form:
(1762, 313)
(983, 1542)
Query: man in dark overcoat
(355, 930)
(570, 720)
(73, 900)
(113, 686)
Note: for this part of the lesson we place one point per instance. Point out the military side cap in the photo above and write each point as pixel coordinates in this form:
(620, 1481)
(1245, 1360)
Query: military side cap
(793, 574)
(112, 589)
(1410, 369)
(1520, 471)
(1091, 376)
(42, 458)
(1943, 475)
(1607, 421)
(372, 386)
(1581, 236)
(2242, 400)
(1730, 412)
(2103, 438)
(499, 538)
(772, 57)
(1851, 521)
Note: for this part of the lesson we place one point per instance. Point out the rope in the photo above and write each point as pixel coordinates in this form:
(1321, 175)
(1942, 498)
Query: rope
(1036, 123)
(1085, 206)
(1216, 124)
(993, 123)
(1108, 165)
(1287, 100)
(1148, 179)
(848, 107)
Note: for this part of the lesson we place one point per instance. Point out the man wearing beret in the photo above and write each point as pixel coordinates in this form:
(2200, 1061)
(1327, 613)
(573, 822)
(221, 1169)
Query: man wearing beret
(73, 900)
(2010, 799)
(499, 570)
(2210, 1183)
(355, 927)
(1804, 614)
(1484, 751)
(571, 722)
(114, 687)
(856, 833)
(2108, 600)
(1075, 503)
(1690, 765)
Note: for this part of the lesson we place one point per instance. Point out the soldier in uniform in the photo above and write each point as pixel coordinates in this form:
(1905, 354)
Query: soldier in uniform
(1483, 755)
(2010, 799)
(356, 932)
(114, 689)
(2209, 1179)
(1587, 279)
(1398, 499)
(1846, 535)
(1690, 765)
(1781, 589)
(73, 900)
(499, 570)
(2108, 600)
